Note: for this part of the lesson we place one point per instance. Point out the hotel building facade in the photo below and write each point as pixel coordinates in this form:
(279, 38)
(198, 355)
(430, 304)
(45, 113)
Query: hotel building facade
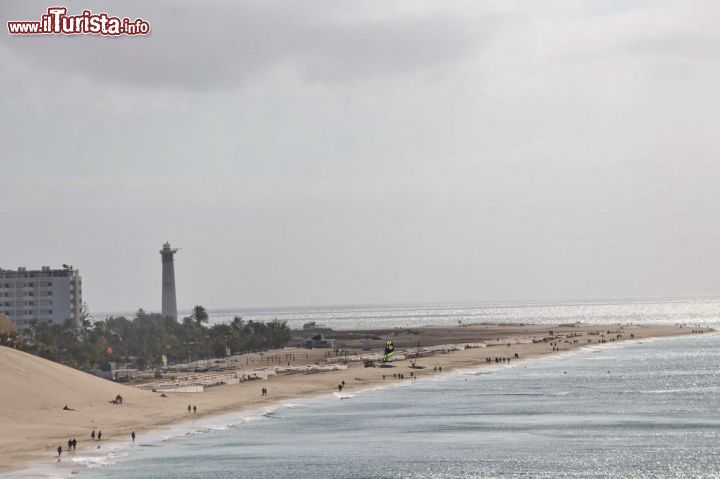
(44, 294)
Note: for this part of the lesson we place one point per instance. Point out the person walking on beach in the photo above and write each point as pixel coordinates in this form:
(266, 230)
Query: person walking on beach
(99, 435)
(59, 450)
(132, 435)
(74, 444)
(92, 435)
(69, 445)
(189, 409)
(194, 409)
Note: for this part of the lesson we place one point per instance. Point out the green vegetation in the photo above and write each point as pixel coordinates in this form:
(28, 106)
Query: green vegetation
(145, 338)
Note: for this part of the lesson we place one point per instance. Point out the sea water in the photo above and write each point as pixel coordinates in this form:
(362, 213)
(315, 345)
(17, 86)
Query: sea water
(668, 311)
(639, 409)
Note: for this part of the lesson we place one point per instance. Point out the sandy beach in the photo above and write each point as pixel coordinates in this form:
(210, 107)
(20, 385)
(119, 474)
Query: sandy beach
(33, 391)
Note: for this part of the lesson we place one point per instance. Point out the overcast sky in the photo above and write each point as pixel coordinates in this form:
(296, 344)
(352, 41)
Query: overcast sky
(350, 152)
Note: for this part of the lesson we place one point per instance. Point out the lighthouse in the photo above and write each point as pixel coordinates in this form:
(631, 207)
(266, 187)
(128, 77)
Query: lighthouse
(169, 301)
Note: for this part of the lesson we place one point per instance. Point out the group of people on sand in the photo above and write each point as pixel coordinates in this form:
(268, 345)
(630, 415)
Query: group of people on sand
(192, 409)
(263, 392)
(72, 443)
(499, 359)
(412, 374)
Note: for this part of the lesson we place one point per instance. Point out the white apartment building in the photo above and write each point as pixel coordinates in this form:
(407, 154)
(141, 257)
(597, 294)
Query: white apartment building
(44, 294)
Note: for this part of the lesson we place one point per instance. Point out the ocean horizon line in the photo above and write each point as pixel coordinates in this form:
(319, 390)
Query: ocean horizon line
(426, 305)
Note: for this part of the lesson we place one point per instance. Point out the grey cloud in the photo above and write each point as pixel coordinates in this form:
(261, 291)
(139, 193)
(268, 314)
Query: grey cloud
(232, 44)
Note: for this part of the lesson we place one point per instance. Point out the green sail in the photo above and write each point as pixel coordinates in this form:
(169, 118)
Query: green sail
(389, 350)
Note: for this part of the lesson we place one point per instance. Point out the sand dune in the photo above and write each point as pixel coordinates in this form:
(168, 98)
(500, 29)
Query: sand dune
(31, 384)
(33, 392)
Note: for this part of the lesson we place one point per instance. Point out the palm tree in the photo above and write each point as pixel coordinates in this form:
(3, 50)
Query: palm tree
(199, 314)
(86, 320)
